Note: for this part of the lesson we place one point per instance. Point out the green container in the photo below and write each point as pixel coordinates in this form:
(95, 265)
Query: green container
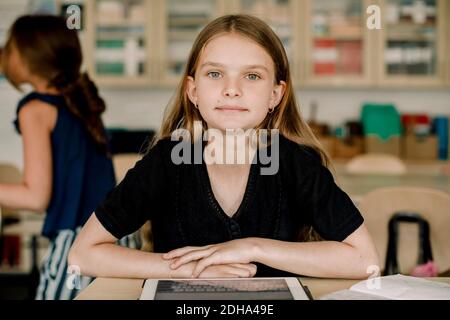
(110, 68)
(110, 43)
(382, 120)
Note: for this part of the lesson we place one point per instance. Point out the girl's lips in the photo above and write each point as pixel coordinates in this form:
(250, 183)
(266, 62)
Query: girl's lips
(231, 108)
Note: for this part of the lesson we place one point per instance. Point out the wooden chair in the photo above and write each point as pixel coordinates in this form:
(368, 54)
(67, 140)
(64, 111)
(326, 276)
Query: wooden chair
(9, 173)
(123, 162)
(378, 207)
(375, 163)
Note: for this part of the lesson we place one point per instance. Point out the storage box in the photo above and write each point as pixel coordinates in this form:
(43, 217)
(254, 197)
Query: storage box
(348, 148)
(392, 145)
(416, 147)
(328, 144)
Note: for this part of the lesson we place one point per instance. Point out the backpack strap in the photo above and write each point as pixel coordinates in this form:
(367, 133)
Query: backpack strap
(425, 252)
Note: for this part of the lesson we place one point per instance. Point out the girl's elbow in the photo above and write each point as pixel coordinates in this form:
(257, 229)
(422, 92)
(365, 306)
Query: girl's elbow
(34, 197)
(74, 258)
(39, 206)
(38, 203)
(371, 266)
(77, 258)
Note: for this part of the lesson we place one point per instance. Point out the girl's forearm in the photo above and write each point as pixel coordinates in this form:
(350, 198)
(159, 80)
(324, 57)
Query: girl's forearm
(21, 197)
(325, 259)
(111, 260)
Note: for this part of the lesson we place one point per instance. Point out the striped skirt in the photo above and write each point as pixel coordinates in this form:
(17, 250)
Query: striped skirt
(57, 281)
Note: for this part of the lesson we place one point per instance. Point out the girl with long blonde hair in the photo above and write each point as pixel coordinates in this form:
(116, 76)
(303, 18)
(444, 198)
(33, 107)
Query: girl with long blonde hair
(227, 219)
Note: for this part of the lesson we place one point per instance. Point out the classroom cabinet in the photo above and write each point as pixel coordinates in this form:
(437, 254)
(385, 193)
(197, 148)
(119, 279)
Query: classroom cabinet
(180, 21)
(283, 17)
(338, 47)
(131, 43)
(413, 43)
(119, 38)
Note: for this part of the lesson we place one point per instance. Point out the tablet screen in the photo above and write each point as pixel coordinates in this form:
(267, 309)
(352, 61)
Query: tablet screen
(218, 289)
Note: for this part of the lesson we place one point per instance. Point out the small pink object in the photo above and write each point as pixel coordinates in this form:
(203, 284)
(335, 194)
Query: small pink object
(428, 269)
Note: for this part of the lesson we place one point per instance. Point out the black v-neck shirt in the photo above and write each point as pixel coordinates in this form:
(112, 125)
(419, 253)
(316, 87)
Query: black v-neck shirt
(179, 201)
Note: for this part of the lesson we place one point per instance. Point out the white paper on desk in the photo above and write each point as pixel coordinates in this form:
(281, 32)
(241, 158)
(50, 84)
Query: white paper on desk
(396, 287)
(351, 295)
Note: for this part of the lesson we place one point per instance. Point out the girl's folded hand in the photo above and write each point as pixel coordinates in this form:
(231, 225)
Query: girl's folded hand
(233, 270)
(241, 251)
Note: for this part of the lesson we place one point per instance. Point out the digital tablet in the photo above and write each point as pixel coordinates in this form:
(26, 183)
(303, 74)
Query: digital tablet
(285, 288)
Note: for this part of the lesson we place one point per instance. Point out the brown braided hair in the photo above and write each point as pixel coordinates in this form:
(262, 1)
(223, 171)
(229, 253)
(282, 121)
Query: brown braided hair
(53, 52)
(83, 101)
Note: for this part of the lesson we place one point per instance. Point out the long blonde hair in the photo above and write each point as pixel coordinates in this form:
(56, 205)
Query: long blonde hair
(181, 112)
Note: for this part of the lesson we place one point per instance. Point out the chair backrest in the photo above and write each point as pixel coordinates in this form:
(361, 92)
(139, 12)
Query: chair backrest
(378, 207)
(123, 162)
(376, 163)
(425, 251)
(9, 173)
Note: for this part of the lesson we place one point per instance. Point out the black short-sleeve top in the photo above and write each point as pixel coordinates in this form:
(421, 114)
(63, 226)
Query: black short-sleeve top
(179, 202)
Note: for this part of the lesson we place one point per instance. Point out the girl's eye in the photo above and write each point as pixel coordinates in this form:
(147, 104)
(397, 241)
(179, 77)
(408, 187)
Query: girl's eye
(253, 76)
(214, 74)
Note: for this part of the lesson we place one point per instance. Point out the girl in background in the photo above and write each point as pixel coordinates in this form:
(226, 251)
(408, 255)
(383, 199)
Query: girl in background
(67, 165)
(228, 220)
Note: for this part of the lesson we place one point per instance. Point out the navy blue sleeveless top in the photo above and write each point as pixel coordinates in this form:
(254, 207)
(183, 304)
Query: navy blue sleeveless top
(82, 175)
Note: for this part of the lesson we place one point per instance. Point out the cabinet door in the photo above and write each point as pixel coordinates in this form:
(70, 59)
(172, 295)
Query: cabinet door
(413, 43)
(280, 15)
(180, 22)
(446, 16)
(337, 50)
(119, 34)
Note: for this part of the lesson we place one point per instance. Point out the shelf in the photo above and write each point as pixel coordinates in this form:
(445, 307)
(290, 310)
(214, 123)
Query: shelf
(412, 38)
(183, 21)
(124, 24)
(339, 38)
(186, 35)
(409, 25)
(123, 81)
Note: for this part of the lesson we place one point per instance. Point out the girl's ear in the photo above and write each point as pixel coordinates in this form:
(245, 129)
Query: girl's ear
(277, 94)
(191, 90)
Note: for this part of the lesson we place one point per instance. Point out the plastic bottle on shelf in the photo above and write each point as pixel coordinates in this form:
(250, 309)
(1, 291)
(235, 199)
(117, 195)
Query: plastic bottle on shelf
(392, 13)
(441, 125)
(320, 24)
(110, 12)
(131, 57)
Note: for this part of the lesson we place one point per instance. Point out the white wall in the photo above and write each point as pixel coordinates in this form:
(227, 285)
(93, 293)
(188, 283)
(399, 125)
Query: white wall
(143, 108)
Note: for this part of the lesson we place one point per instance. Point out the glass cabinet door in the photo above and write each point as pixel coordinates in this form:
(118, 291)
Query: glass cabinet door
(447, 43)
(278, 14)
(336, 43)
(413, 42)
(183, 21)
(119, 42)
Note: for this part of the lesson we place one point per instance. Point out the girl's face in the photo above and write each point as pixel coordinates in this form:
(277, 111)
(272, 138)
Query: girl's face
(234, 85)
(17, 70)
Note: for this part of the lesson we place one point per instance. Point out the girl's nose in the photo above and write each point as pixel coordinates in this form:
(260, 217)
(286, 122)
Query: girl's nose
(232, 89)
